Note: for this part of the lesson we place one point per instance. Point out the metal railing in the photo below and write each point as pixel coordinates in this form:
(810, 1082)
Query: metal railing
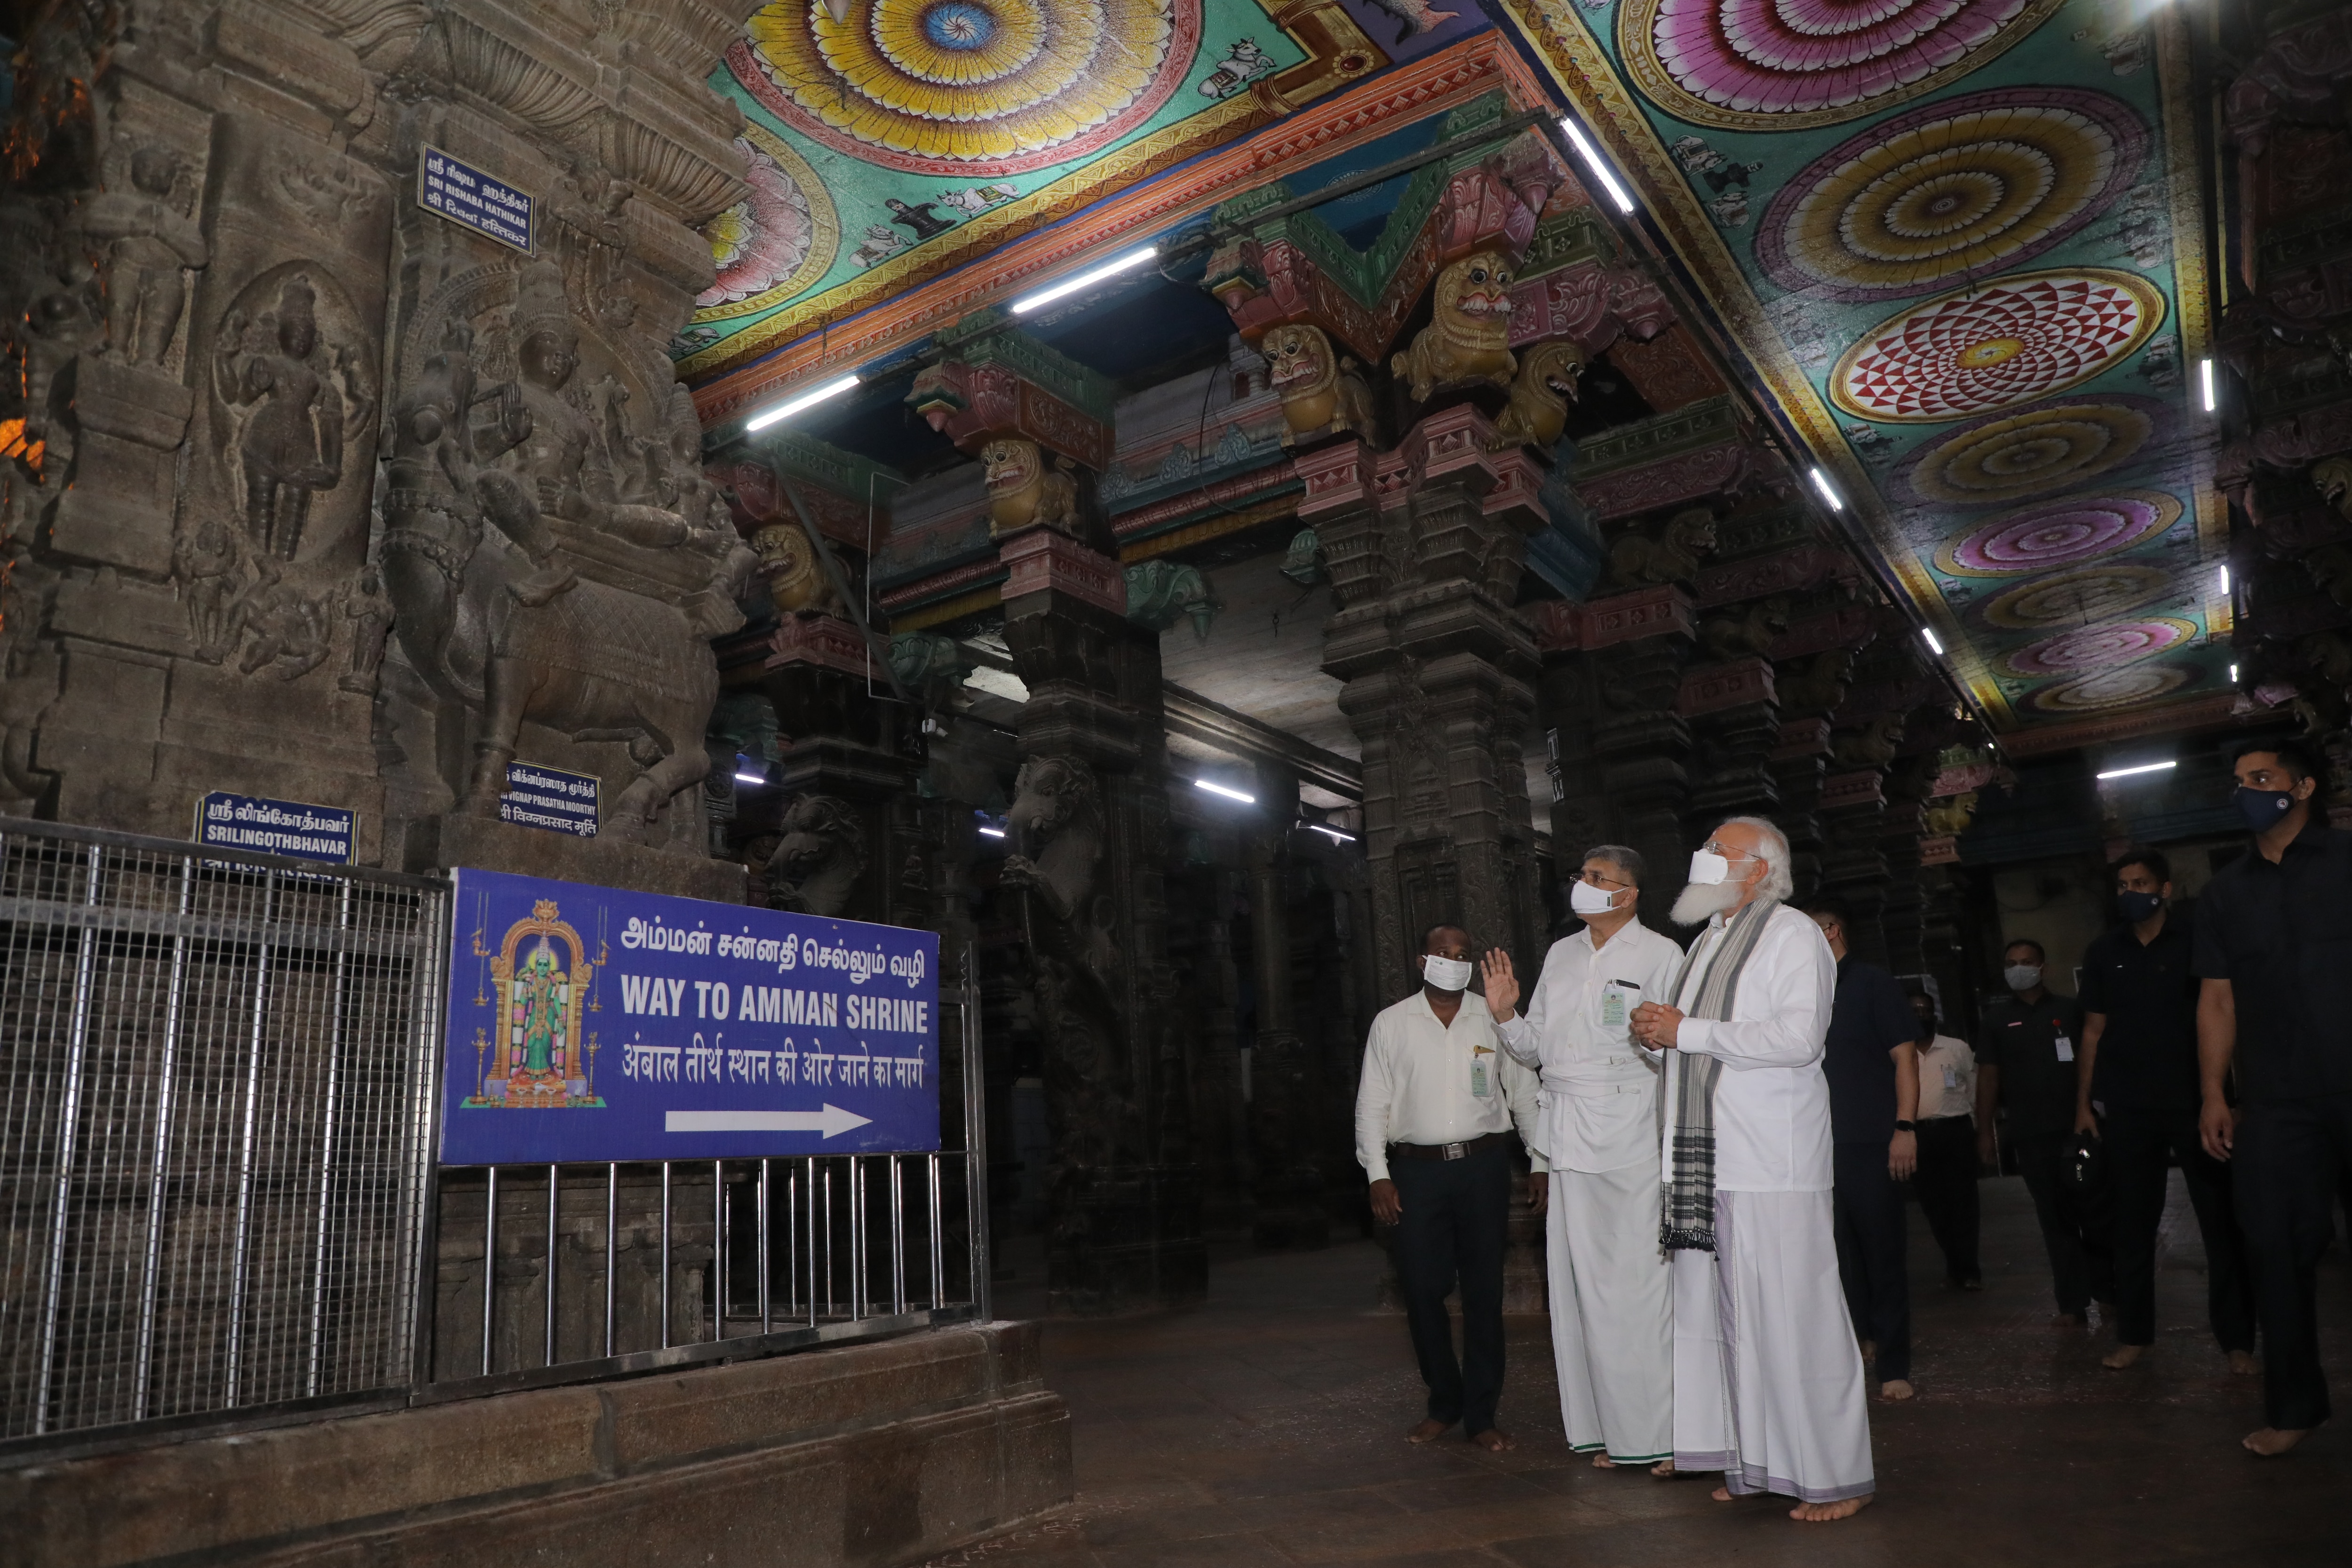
(219, 1200)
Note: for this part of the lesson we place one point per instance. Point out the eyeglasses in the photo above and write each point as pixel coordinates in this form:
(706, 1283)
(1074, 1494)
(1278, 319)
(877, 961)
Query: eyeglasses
(1591, 879)
(1717, 847)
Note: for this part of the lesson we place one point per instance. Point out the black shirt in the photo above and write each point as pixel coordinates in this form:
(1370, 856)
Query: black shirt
(1869, 1018)
(2282, 936)
(2147, 1053)
(2023, 1042)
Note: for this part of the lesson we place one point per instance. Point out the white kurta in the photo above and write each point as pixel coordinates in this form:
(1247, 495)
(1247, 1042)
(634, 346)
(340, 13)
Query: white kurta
(1768, 1376)
(1611, 1328)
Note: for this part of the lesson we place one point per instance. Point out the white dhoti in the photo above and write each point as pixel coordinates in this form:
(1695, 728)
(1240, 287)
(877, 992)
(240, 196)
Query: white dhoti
(1778, 1404)
(1611, 1340)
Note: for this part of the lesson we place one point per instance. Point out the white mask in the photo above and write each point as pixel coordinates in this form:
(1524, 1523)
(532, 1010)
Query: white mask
(2022, 977)
(1707, 867)
(1587, 900)
(1446, 973)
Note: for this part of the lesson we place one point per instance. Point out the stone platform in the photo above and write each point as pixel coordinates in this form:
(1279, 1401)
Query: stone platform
(864, 1455)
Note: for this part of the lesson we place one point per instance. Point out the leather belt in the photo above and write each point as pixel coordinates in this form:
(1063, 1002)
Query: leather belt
(1446, 1151)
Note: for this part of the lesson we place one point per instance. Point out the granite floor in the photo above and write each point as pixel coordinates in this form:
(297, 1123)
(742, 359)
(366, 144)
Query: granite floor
(1266, 1428)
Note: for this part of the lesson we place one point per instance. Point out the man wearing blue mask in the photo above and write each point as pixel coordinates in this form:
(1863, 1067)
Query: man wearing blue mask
(1435, 1111)
(2136, 1091)
(1612, 1310)
(2273, 957)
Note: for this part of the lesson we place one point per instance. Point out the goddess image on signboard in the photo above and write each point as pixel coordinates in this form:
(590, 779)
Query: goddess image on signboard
(537, 1062)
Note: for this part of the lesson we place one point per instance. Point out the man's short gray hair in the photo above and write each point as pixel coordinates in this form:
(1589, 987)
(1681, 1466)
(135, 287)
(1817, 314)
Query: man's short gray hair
(1624, 857)
(1779, 883)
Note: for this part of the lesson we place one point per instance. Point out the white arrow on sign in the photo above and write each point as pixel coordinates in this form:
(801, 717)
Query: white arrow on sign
(832, 1121)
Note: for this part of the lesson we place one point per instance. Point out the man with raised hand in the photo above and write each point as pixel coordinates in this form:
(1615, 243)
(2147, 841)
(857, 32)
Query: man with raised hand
(1435, 1111)
(1612, 1310)
(1768, 1376)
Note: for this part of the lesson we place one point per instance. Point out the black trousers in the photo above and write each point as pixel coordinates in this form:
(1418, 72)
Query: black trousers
(2284, 1169)
(1452, 1228)
(1946, 1187)
(1868, 1207)
(2139, 1144)
(2082, 1262)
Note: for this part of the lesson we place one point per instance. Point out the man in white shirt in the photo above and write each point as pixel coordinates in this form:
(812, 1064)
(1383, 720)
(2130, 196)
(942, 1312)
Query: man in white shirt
(1435, 1111)
(1611, 1308)
(1768, 1375)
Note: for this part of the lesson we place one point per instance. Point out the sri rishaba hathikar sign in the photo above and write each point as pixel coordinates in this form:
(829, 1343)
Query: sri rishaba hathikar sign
(592, 1024)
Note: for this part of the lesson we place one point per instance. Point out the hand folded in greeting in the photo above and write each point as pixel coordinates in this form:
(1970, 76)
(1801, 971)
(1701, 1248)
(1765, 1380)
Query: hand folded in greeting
(1657, 1026)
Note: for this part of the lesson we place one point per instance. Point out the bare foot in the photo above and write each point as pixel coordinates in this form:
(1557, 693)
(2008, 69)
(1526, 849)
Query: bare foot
(1425, 1430)
(1896, 1388)
(1721, 1494)
(1603, 1462)
(2122, 1356)
(1494, 1439)
(2243, 1364)
(1663, 1470)
(2273, 1441)
(1822, 1512)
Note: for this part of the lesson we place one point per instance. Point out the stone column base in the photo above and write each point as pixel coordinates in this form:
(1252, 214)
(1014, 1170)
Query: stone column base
(866, 1455)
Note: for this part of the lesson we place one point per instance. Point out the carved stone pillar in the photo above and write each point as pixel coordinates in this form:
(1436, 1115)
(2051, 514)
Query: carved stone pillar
(1287, 1184)
(1424, 546)
(1219, 1114)
(1090, 842)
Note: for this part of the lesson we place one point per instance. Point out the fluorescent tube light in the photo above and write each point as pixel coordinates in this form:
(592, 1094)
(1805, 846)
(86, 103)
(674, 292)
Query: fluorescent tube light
(2225, 577)
(2233, 675)
(1829, 490)
(2140, 768)
(751, 778)
(1228, 793)
(1131, 260)
(1331, 832)
(1927, 635)
(2205, 375)
(805, 400)
(991, 833)
(1592, 157)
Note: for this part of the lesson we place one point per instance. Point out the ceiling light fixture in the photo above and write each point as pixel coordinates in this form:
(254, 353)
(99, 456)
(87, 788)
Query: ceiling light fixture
(2233, 675)
(805, 400)
(2225, 577)
(751, 778)
(1332, 832)
(1228, 793)
(1927, 635)
(2205, 377)
(2138, 768)
(1112, 269)
(1592, 157)
(1829, 490)
(991, 833)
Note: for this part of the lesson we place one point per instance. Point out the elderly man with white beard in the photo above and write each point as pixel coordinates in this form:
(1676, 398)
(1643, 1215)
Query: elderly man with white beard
(1768, 1375)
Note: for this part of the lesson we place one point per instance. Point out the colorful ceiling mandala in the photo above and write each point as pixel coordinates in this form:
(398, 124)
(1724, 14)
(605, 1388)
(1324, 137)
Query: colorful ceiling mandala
(2058, 534)
(2099, 647)
(2077, 598)
(2013, 455)
(975, 87)
(2113, 690)
(1994, 346)
(768, 244)
(1961, 243)
(1954, 189)
(1759, 65)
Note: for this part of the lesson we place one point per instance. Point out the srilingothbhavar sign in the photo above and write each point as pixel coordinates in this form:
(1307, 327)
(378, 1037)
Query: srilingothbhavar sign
(276, 826)
(592, 1023)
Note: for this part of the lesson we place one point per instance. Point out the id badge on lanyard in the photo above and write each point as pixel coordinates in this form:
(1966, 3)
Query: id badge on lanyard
(1482, 1081)
(1618, 1000)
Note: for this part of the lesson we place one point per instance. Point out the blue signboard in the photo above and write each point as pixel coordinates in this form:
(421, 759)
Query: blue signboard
(592, 1023)
(464, 195)
(550, 798)
(275, 826)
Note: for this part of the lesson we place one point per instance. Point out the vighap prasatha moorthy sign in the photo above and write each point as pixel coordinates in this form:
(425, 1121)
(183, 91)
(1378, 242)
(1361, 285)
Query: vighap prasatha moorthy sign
(592, 1023)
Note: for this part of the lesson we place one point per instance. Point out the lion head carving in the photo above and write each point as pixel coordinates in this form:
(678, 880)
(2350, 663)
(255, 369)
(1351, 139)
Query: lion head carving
(1469, 332)
(795, 579)
(1022, 489)
(818, 858)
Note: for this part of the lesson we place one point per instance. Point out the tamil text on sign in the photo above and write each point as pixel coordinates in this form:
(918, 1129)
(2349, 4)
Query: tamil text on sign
(464, 195)
(592, 1023)
(275, 826)
(550, 798)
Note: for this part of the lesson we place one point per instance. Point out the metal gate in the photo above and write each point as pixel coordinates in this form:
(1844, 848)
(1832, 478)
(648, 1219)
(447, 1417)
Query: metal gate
(219, 1200)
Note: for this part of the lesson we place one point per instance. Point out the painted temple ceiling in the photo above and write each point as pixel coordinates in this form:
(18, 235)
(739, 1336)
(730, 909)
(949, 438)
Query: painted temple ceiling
(1962, 245)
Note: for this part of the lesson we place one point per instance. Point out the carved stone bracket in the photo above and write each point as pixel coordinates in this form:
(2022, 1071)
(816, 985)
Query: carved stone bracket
(1711, 688)
(826, 640)
(1785, 572)
(1040, 559)
(1864, 786)
(1705, 449)
(996, 381)
(1801, 738)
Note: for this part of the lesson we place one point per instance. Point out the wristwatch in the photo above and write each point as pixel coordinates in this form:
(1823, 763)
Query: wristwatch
(1902, 1126)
